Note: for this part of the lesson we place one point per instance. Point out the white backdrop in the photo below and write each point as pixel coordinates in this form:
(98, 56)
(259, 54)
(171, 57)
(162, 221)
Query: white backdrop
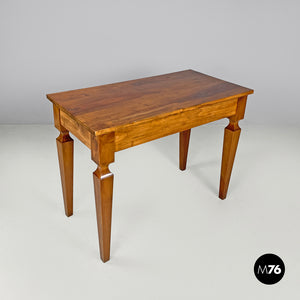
(50, 46)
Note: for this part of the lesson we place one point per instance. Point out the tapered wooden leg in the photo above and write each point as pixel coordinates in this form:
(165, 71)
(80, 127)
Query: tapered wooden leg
(231, 139)
(65, 156)
(184, 139)
(103, 185)
(103, 155)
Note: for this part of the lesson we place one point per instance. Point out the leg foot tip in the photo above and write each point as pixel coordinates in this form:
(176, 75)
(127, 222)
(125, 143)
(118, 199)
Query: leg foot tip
(105, 259)
(222, 197)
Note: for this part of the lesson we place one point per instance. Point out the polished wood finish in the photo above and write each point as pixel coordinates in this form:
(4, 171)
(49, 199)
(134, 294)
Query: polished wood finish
(106, 108)
(142, 132)
(65, 150)
(184, 140)
(231, 139)
(78, 130)
(103, 155)
(114, 117)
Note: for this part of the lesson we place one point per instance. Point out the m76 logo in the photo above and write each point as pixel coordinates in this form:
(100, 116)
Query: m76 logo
(269, 269)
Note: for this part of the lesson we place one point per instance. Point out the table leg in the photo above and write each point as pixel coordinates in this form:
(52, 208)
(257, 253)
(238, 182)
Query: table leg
(184, 139)
(103, 155)
(231, 139)
(65, 157)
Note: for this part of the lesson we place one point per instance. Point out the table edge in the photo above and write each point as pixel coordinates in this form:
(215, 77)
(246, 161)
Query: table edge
(181, 110)
(114, 128)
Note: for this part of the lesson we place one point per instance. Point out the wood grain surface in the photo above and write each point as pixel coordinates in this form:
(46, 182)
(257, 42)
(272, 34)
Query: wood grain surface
(105, 108)
(117, 116)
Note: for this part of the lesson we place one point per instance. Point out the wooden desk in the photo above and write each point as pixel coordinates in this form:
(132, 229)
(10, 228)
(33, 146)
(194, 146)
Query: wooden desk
(114, 117)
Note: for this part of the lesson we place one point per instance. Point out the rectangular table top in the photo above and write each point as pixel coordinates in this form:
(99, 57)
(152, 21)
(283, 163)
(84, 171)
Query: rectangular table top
(110, 106)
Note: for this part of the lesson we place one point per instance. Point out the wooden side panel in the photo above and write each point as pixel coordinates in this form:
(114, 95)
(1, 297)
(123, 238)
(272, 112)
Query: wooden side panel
(75, 128)
(135, 134)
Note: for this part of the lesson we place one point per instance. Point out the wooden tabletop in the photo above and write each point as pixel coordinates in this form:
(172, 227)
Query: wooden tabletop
(109, 106)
